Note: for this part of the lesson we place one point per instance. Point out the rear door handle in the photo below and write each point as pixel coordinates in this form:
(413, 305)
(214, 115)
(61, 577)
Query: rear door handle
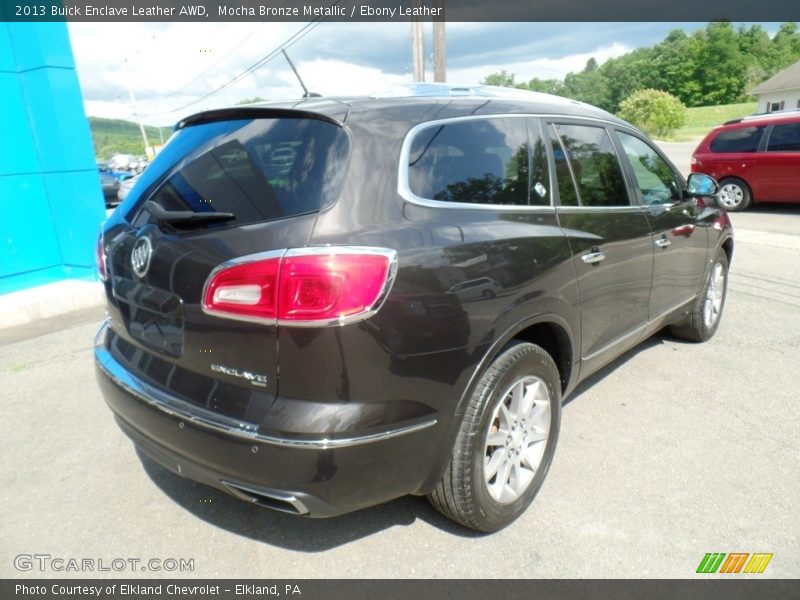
(663, 242)
(594, 256)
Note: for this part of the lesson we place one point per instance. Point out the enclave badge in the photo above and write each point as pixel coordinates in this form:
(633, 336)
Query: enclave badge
(254, 378)
(140, 256)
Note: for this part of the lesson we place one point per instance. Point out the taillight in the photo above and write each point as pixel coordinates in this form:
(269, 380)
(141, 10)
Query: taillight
(305, 286)
(100, 257)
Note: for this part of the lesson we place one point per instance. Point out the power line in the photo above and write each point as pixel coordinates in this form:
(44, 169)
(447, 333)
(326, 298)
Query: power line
(216, 64)
(293, 39)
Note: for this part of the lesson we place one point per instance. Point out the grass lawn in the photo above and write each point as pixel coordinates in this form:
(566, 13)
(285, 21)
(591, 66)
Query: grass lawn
(700, 120)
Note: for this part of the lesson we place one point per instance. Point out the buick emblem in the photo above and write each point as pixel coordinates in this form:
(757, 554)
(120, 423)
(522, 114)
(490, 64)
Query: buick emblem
(140, 256)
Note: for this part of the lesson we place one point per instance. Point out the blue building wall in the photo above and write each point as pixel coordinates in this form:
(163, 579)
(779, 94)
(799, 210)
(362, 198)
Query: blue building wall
(51, 204)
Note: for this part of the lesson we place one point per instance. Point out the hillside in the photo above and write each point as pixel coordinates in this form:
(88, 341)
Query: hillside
(111, 136)
(701, 119)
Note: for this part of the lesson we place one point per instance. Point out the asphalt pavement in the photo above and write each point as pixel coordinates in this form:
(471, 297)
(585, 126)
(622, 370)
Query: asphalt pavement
(673, 451)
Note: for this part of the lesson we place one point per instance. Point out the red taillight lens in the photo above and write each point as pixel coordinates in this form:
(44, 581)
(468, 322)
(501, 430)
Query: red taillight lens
(247, 290)
(100, 258)
(316, 285)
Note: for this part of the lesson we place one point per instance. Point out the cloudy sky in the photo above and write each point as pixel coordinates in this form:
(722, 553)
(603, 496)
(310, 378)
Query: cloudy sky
(170, 67)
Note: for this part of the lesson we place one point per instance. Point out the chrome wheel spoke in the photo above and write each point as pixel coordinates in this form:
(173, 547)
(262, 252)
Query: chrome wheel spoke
(498, 457)
(506, 419)
(529, 397)
(714, 295)
(517, 395)
(521, 477)
(501, 481)
(536, 436)
(516, 439)
(498, 438)
(533, 455)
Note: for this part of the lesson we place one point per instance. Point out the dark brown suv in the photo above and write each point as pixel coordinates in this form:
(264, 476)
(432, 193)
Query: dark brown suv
(401, 300)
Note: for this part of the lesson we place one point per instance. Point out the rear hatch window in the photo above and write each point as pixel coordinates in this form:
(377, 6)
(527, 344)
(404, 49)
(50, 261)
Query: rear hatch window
(257, 169)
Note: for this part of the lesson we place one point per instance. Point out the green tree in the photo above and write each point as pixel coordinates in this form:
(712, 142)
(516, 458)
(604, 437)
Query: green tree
(626, 74)
(656, 112)
(546, 86)
(722, 70)
(590, 85)
(502, 79)
(715, 65)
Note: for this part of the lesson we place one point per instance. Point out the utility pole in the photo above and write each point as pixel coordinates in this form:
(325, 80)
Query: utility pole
(138, 118)
(439, 47)
(135, 109)
(417, 46)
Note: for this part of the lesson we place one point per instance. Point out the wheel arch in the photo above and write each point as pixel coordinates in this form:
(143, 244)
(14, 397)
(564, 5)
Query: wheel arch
(549, 331)
(727, 248)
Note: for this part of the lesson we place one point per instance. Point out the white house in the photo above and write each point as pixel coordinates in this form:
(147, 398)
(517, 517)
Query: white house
(780, 92)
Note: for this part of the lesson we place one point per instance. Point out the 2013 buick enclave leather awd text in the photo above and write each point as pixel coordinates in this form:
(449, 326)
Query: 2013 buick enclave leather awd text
(323, 305)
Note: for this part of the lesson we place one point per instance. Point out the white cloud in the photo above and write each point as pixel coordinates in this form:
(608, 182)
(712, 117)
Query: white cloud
(169, 66)
(543, 68)
(338, 78)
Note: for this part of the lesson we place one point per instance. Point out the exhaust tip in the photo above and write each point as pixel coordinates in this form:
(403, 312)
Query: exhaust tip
(279, 501)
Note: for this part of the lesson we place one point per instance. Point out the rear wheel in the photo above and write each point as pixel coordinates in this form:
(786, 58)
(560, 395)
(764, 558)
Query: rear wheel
(506, 441)
(734, 194)
(703, 321)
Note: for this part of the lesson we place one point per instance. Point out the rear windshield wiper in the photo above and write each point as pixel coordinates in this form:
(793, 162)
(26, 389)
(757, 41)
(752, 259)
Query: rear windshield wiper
(184, 216)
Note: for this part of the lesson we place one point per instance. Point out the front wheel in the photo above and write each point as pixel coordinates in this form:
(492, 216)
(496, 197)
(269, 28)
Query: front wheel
(506, 441)
(703, 321)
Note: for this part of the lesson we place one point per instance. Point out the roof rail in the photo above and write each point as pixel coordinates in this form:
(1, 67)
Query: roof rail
(771, 115)
(439, 90)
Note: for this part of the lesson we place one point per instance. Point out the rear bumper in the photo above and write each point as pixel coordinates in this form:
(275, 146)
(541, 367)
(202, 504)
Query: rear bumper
(309, 475)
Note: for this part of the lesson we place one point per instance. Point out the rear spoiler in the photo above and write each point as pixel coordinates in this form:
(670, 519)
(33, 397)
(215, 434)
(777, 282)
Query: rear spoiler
(253, 112)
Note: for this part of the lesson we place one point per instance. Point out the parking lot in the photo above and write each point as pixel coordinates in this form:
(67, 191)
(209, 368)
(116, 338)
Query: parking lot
(675, 450)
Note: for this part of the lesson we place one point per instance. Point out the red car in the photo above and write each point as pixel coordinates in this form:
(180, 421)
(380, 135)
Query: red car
(755, 159)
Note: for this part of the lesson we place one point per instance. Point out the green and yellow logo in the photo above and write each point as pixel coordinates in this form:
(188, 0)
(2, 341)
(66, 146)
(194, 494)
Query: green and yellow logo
(734, 562)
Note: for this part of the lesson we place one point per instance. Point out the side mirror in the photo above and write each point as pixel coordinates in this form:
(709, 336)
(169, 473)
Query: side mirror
(702, 185)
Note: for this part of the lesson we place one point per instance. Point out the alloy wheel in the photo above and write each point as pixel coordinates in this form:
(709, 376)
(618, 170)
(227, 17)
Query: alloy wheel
(517, 438)
(714, 295)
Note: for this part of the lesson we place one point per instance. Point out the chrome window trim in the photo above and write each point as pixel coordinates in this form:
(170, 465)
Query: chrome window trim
(175, 407)
(389, 253)
(404, 189)
(632, 208)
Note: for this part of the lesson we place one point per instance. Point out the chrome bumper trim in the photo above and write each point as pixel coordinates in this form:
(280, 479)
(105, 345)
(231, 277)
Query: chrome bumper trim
(201, 417)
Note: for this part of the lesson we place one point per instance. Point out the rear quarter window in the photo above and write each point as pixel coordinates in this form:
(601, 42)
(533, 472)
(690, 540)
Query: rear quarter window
(496, 160)
(742, 139)
(257, 169)
(785, 138)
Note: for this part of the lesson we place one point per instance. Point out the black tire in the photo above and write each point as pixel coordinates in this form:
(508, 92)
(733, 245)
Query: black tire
(696, 328)
(463, 494)
(735, 194)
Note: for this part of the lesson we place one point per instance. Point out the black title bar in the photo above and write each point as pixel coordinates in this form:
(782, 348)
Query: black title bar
(398, 10)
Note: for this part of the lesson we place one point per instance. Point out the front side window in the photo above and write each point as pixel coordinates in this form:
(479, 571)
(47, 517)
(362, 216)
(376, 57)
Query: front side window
(742, 139)
(654, 177)
(480, 161)
(785, 138)
(594, 166)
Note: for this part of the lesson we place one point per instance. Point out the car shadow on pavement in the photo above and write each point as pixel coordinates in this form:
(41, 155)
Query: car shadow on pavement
(318, 535)
(654, 340)
(290, 531)
(775, 208)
